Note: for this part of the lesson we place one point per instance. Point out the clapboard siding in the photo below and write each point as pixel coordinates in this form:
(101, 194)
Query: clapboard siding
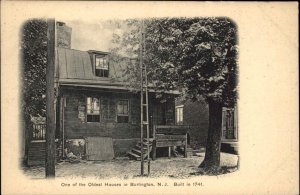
(76, 127)
(195, 115)
(124, 135)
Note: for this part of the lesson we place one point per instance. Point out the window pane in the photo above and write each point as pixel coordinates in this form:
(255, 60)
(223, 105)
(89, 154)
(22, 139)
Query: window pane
(181, 114)
(98, 62)
(89, 118)
(88, 105)
(120, 109)
(123, 107)
(96, 107)
(101, 66)
(93, 109)
(93, 118)
(105, 64)
(101, 63)
(105, 73)
(89, 101)
(93, 105)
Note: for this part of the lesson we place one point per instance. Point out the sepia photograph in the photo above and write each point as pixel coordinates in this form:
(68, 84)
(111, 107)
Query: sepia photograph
(149, 97)
(133, 96)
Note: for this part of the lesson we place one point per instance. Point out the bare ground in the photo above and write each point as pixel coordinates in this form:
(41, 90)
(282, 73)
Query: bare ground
(176, 167)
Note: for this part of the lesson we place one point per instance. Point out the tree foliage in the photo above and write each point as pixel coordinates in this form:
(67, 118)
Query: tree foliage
(197, 54)
(34, 61)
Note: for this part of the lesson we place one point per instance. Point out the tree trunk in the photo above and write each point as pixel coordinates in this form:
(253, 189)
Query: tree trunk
(213, 144)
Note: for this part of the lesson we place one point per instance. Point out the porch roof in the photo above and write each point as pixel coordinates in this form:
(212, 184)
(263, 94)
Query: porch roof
(106, 85)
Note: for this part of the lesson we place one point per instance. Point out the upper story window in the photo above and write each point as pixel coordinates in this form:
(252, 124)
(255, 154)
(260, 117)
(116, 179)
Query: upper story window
(101, 66)
(179, 115)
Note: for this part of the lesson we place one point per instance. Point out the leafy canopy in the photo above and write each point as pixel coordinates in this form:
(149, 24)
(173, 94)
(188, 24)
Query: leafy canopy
(197, 54)
(34, 58)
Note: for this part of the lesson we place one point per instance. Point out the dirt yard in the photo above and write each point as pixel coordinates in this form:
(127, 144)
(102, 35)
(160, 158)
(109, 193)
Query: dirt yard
(176, 167)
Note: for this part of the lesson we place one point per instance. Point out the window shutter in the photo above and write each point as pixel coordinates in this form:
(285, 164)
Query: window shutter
(81, 109)
(135, 111)
(112, 109)
(104, 109)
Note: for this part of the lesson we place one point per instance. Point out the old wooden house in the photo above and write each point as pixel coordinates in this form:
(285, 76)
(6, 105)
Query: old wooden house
(97, 113)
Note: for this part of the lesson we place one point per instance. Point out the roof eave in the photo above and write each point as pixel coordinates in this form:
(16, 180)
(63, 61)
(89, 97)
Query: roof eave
(98, 52)
(108, 85)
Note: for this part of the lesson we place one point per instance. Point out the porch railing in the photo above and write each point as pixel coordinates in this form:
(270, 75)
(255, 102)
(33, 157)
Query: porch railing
(229, 134)
(229, 126)
(39, 132)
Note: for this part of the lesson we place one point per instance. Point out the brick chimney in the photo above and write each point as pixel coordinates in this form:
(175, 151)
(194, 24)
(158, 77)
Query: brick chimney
(63, 35)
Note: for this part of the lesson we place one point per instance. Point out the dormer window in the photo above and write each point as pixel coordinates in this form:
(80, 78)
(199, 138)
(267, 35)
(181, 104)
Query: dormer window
(101, 66)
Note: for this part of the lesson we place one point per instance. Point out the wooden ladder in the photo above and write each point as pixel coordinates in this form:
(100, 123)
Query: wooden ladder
(144, 102)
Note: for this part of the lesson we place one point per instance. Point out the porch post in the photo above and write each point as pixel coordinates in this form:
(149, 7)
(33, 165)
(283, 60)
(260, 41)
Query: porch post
(154, 143)
(154, 149)
(222, 127)
(235, 123)
(185, 146)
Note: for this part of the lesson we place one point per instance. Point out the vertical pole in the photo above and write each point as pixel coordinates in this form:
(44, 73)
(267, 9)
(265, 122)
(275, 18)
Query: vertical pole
(154, 149)
(185, 146)
(147, 107)
(50, 112)
(154, 143)
(142, 101)
(63, 125)
(236, 122)
(222, 125)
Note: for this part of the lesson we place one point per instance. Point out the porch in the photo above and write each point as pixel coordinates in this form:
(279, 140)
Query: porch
(164, 136)
(229, 143)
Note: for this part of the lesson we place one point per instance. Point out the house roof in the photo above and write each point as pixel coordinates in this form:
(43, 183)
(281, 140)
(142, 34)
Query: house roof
(75, 68)
(74, 64)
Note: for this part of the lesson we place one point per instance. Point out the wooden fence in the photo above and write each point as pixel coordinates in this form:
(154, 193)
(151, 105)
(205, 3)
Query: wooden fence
(39, 132)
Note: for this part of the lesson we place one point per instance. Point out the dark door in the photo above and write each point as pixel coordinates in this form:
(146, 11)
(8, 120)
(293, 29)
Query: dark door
(157, 115)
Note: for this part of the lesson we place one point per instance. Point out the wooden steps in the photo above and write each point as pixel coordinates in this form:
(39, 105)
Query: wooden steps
(135, 152)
